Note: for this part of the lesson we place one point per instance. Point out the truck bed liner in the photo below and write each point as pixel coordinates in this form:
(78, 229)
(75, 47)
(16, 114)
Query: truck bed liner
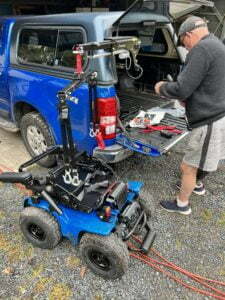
(131, 104)
(136, 100)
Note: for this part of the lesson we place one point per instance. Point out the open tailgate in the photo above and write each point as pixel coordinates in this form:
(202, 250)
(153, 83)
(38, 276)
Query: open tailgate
(151, 143)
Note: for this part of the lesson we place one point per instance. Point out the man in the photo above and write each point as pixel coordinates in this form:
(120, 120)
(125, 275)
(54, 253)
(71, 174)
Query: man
(201, 85)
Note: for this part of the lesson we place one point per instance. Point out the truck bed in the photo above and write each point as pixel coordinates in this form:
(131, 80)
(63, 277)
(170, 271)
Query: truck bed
(131, 103)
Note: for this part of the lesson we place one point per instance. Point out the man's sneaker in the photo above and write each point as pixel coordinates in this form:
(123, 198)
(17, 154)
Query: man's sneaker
(198, 190)
(171, 206)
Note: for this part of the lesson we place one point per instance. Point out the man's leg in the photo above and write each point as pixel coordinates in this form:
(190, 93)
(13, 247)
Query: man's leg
(199, 187)
(188, 182)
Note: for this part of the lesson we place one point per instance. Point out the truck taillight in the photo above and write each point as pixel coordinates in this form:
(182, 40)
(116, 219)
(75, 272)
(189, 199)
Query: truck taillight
(106, 116)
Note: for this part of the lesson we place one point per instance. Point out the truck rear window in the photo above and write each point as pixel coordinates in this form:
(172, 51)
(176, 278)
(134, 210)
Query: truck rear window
(48, 47)
(152, 41)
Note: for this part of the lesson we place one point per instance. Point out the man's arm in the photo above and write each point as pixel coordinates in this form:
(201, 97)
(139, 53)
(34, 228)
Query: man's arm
(189, 79)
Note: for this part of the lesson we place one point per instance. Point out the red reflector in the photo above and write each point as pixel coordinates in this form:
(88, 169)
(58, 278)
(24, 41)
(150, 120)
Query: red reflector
(106, 107)
(108, 212)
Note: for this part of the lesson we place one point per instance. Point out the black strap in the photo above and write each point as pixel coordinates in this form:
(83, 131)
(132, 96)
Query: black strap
(201, 174)
(205, 147)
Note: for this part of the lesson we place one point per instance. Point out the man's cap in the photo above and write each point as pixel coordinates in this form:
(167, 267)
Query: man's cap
(190, 24)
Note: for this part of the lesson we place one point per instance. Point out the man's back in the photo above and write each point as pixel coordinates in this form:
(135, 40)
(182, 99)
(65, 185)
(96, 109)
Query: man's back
(207, 103)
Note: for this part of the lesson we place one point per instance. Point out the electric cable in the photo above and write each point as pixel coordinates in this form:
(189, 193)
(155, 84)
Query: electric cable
(218, 294)
(138, 67)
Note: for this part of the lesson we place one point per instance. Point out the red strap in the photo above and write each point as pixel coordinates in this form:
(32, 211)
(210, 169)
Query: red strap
(161, 127)
(151, 128)
(78, 64)
(100, 140)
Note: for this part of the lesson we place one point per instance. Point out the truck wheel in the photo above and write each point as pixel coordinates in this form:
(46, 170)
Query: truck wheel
(106, 256)
(37, 137)
(40, 228)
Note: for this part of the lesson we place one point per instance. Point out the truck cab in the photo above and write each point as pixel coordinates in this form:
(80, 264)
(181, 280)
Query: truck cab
(37, 61)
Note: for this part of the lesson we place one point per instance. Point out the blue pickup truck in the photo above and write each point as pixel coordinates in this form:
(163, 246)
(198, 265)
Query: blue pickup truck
(36, 61)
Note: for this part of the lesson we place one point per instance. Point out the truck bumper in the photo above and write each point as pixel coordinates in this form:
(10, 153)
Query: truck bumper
(112, 154)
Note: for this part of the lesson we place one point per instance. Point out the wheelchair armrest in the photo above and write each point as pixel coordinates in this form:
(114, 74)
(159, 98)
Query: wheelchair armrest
(13, 177)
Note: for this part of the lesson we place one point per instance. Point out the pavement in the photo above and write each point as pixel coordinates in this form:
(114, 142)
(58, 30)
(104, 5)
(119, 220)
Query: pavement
(195, 242)
(12, 150)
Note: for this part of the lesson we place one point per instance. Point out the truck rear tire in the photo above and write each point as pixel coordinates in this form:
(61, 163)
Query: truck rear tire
(37, 137)
(106, 256)
(40, 228)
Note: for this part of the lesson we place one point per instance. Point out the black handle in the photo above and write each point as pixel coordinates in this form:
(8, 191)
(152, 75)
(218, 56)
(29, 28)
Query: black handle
(14, 177)
(148, 240)
(51, 150)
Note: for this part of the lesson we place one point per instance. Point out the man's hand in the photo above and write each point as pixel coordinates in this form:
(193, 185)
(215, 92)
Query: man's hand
(158, 86)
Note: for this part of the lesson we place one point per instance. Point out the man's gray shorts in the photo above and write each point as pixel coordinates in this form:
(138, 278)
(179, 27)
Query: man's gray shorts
(206, 146)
